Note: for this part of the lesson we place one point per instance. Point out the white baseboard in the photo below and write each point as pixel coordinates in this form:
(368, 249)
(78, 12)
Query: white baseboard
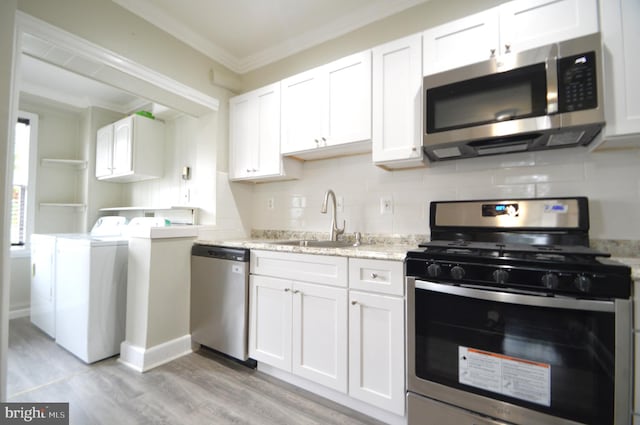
(21, 312)
(144, 359)
(335, 396)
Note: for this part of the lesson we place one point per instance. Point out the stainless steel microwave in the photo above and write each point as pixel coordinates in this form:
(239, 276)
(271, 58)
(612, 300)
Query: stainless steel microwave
(544, 98)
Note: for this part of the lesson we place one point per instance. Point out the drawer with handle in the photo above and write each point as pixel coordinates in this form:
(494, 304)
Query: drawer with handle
(381, 276)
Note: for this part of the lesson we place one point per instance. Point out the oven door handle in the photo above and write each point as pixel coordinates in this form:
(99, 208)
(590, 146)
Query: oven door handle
(511, 298)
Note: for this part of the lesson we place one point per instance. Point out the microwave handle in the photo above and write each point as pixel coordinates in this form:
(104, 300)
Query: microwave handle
(552, 81)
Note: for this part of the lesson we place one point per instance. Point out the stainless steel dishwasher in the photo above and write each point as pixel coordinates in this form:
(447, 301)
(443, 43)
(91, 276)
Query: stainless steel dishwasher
(220, 299)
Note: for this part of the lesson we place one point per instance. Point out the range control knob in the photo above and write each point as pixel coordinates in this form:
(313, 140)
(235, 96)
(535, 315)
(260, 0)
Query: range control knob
(434, 270)
(583, 283)
(500, 276)
(457, 272)
(550, 280)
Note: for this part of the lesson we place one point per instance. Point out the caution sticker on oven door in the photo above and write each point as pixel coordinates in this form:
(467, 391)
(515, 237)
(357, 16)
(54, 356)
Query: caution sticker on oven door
(510, 376)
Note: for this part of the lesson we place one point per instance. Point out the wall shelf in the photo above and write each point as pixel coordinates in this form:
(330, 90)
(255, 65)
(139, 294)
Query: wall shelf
(80, 164)
(176, 214)
(62, 205)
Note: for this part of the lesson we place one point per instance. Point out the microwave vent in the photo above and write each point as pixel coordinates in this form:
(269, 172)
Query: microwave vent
(565, 138)
(445, 153)
(493, 150)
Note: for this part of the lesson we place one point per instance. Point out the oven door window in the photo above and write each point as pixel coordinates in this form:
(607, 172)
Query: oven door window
(519, 93)
(565, 357)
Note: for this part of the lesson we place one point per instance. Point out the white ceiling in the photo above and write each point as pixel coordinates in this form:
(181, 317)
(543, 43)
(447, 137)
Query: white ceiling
(246, 34)
(240, 34)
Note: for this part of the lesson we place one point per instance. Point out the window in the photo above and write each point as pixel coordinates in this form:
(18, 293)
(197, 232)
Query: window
(23, 175)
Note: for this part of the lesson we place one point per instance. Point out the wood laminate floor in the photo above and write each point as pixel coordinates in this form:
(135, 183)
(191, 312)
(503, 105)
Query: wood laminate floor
(200, 388)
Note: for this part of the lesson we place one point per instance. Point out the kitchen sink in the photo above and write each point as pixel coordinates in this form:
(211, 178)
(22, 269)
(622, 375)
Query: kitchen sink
(316, 243)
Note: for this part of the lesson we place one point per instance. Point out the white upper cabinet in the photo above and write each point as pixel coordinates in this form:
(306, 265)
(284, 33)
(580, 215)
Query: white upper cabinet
(104, 151)
(254, 135)
(327, 111)
(621, 38)
(131, 149)
(302, 112)
(397, 103)
(461, 42)
(122, 156)
(513, 26)
(348, 91)
(525, 24)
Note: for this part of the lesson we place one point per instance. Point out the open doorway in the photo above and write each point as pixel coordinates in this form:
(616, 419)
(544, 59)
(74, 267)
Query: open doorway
(69, 174)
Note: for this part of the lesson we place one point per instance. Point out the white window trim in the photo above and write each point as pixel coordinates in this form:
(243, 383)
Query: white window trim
(24, 250)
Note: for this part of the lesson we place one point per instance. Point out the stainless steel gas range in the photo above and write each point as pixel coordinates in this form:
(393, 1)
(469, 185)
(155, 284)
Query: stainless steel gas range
(513, 319)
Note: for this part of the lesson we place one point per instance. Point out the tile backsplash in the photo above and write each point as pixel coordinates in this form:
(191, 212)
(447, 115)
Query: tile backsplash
(610, 179)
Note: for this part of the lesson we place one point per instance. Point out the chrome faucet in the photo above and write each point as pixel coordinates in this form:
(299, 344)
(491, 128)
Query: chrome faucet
(335, 231)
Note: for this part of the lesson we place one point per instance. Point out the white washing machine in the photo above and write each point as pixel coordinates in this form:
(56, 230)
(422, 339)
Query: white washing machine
(43, 269)
(91, 288)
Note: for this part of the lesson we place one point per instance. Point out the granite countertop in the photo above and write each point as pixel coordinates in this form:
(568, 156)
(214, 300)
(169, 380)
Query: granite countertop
(394, 252)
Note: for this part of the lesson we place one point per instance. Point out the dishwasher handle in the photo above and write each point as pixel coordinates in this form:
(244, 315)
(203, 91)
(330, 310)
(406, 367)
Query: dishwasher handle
(220, 252)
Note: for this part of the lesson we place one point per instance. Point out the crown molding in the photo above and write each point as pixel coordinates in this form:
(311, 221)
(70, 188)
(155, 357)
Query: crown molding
(150, 12)
(28, 24)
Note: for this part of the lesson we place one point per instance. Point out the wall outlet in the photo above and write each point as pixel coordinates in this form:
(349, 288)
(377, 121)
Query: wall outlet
(271, 203)
(386, 205)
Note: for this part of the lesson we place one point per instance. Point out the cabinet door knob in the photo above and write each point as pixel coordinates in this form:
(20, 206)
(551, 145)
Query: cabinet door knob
(493, 52)
(317, 141)
(286, 289)
(507, 48)
(354, 302)
(295, 291)
(374, 275)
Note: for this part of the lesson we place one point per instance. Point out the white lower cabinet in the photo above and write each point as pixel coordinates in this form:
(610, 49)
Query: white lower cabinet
(348, 339)
(300, 327)
(270, 323)
(376, 333)
(376, 350)
(319, 337)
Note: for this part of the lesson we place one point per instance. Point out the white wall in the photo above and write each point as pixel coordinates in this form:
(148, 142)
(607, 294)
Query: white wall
(7, 123)
(59, 137)
(189, 142)
(611, 180)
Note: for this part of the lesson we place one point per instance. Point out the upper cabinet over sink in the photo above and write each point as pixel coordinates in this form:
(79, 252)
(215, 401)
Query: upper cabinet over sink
(327, 111)
(513, 26)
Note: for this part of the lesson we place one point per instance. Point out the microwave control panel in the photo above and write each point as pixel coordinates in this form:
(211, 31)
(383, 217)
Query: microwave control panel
(577, 87)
